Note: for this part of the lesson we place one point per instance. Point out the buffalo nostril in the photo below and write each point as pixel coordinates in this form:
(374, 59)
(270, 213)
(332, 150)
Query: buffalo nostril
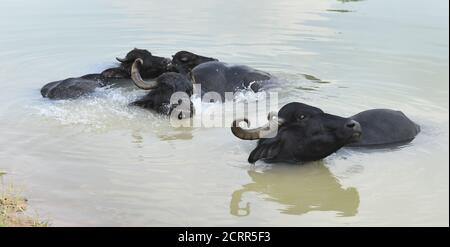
(352, 124)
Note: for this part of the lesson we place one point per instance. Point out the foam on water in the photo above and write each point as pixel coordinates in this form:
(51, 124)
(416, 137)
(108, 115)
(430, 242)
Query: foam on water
(110, 107)
(107, 106)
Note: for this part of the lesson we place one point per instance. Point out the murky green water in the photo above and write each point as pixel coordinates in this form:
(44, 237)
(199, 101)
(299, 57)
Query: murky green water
(95, 161)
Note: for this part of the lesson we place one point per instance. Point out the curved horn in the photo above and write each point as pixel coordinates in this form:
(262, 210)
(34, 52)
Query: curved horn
(256, 133)
(137, 79)
(122, 60)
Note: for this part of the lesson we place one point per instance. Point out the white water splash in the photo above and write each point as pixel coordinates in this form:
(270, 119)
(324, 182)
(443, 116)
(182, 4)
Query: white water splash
(110, 107)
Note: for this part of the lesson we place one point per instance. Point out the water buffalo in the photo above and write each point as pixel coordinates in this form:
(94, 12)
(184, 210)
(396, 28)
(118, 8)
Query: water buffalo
(212, 75)
(151, 67)
(304, 133)
(162, 89)
(79, 86)
(184, 61)
(215, 76)
(380, 127)
(220, 77)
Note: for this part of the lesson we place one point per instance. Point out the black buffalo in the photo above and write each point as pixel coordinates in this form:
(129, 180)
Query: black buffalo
(304, 133)
(168, 76)
(79, 86)
(162, 89)
(380, 127)
(221, 78)
(212, 75)
(151, 67)
(183, 61)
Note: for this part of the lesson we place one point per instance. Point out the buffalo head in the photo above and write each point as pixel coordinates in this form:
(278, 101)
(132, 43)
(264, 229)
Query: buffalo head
(162, 89)
(151, 66)
(184, 61)
(304, 133)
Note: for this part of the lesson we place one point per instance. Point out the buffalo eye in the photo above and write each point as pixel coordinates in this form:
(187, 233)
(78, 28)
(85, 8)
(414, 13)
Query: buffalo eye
(301, 117)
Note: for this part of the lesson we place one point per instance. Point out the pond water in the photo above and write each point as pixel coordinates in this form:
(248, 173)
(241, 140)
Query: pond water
(97, 162)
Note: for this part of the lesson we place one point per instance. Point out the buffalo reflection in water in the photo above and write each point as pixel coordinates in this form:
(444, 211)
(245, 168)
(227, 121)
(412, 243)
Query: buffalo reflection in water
(299, 189)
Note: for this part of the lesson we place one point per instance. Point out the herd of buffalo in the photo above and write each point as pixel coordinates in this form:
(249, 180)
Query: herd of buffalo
(303, 133)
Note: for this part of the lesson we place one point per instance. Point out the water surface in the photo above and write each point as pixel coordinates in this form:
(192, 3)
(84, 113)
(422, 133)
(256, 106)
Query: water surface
(97, 162)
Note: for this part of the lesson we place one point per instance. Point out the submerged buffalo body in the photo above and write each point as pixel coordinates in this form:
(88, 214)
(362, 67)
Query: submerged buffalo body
(221, 77)
(80, 86)
(384, 127)
(304, 133)
(70, 88)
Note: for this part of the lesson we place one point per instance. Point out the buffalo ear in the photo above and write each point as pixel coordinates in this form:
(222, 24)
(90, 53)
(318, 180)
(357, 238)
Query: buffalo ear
(266, 151)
